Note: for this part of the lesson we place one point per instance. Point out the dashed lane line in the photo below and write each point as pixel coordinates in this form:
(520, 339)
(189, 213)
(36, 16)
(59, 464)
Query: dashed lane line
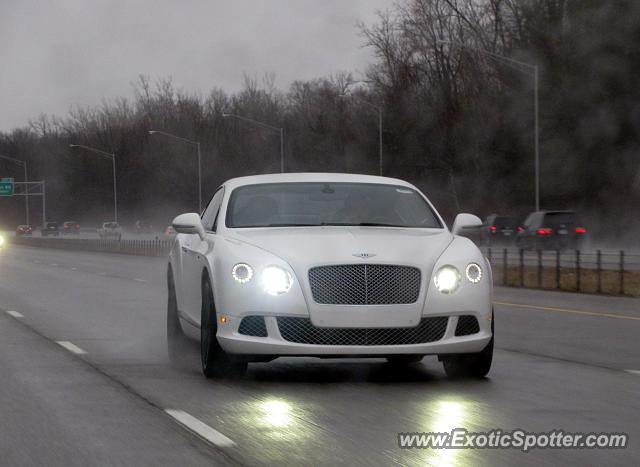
(201, 429)
(71, 347)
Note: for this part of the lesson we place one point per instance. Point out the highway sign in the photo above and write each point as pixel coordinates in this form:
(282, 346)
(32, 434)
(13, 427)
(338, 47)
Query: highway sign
(6, 187)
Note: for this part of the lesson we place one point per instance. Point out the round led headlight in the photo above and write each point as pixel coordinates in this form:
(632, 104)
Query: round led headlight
(447, 279)
(242, 273)
(473, 272)
(275, 280)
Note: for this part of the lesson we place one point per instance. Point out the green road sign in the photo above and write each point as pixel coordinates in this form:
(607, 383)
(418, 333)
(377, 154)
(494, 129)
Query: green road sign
(6, 187)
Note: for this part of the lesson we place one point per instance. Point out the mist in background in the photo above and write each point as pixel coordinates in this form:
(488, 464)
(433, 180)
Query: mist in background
(457, 123)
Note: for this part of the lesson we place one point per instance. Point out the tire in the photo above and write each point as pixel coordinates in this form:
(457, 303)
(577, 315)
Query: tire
(177, 343)
(474, 365)
(216, 363)
(402, 360)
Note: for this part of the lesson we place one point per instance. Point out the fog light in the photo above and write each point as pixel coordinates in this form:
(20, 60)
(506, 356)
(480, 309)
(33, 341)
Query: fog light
(473, 273)
(447, 279)
(275, 280)
(223, 319)
(242, 273)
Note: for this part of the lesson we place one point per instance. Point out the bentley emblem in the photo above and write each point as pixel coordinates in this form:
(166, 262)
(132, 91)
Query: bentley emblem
(364, 255)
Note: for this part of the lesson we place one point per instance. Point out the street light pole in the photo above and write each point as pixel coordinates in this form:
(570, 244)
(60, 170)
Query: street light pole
(279, 130)
(24, 165)
(112, 156)
(197, 144)
(518, 65)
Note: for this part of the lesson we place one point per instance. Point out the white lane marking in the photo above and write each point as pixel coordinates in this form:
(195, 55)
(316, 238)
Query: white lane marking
(53, 264)
(71, 347)
(102, 273)
(201, 429)
(140, 280)
(15, 314)
(74, 269)
(633, 372)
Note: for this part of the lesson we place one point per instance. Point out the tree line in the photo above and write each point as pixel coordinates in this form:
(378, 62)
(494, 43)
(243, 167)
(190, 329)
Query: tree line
(457, 111)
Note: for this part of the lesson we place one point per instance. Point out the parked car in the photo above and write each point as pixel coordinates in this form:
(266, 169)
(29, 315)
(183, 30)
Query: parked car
(551, 230)
(496, 230)
(23, 230)
(49, 228)
(70, 227)
(142, 227)
(110, 231)
(327, 265)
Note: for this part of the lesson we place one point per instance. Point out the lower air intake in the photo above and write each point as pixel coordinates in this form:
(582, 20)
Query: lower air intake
(467, 325)
(301, 331)
(253, 326)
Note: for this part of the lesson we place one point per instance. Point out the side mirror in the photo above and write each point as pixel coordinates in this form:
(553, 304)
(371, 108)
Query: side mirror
(465, 221)
(189, 223)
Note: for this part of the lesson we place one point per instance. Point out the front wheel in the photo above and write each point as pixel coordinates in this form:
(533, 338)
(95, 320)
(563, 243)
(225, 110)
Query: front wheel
(215, 361)
(475, 365)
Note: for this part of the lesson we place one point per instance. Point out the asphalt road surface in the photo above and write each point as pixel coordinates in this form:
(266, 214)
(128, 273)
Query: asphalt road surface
(86, 381)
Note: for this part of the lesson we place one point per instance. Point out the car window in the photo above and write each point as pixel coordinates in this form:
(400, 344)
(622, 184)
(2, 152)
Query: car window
(210, 216)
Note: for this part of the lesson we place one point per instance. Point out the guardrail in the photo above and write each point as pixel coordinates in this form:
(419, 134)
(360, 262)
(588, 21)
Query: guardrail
(127, 247)
(601, 272)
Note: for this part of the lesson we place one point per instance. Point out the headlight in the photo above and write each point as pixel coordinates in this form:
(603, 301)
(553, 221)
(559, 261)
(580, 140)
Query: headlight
(447, 279)
(473, 272)
(275, 280)
(242, 273)
(1, 240)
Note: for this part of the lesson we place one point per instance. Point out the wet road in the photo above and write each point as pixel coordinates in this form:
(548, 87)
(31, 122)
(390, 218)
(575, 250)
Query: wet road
(560, 363)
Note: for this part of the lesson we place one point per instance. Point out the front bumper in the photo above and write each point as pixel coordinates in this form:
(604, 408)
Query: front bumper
(274, 344)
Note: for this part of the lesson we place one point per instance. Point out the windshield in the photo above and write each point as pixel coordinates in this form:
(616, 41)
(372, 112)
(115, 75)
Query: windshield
(317, 204)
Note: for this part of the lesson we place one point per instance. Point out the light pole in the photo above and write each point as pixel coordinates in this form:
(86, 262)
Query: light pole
(267, 126)
(111, 156)
(197, 144)
(24, 165)
(531, 69)
(379, 110)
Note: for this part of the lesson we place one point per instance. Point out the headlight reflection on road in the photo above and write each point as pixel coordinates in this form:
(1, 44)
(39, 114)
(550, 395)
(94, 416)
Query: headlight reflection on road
(277, 413)
(448, 415)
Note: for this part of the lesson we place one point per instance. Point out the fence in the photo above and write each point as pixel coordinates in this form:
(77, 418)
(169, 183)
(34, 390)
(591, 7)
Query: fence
(128, 247)
(601, 272)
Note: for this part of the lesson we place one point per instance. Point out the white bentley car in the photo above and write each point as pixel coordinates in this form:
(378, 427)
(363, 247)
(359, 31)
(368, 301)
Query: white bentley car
(327, 265)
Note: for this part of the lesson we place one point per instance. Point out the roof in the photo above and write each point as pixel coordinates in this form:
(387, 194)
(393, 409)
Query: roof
(313, 177)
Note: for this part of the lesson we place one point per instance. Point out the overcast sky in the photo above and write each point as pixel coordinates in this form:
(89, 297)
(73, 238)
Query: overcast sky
(55, 54)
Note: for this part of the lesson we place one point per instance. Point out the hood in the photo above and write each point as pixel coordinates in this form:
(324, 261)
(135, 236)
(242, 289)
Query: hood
(304, 247)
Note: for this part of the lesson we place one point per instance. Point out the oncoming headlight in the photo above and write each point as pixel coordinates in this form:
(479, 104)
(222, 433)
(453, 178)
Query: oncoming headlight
(1, 240)
(242, 273)
(447, 279)
(473, 272)
(275, 280)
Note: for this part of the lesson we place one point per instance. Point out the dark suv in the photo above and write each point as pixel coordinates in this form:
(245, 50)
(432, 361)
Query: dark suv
(551, 230)
(50, 228)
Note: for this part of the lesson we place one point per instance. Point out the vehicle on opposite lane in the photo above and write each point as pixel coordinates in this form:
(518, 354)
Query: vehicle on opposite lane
(142, 227)
(551, 230)
(110, 231)
(327, 265)
(23, 230)
(49, 228)
(70, 227)
(495, 231)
